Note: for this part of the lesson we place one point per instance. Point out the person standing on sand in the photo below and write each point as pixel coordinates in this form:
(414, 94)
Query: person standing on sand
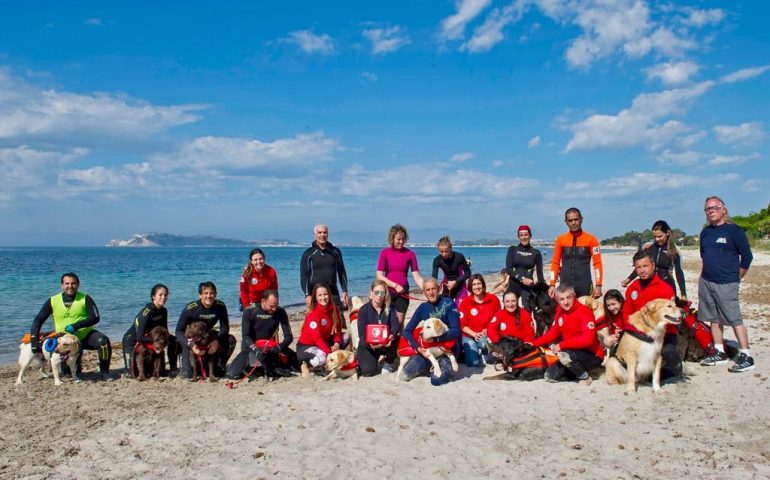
(322, 263)
(668, 262)
(455, 267)
(74, 312)
(393, 267)
(726, 256)
(521, 263)
(573, 253)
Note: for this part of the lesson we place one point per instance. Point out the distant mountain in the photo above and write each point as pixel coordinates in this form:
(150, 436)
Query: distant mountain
(170, 240)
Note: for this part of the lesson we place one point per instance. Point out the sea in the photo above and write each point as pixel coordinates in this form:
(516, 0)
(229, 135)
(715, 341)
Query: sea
(119, 279)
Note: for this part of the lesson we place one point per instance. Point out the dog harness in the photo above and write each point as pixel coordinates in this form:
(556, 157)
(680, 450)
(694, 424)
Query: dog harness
(350, 366)
(406, 350)
(539, 357)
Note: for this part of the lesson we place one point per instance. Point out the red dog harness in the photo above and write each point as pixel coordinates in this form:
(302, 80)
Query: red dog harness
(405, 349)
(350, 366)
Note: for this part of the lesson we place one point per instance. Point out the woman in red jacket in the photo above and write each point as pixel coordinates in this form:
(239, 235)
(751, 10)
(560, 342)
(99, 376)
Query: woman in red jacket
(257, 277)
(321, 331)
(511, 321)
(476, 311)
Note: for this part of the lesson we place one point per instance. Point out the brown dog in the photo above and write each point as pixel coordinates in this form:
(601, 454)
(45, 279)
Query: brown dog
(639, 349)
(152, 355)
(200, 339)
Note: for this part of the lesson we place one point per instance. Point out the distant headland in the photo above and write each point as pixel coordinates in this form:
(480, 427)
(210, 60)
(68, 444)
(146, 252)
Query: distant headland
(170, 240)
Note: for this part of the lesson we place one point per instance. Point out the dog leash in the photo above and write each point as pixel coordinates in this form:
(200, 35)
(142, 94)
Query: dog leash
(409, 297)
(230, 385)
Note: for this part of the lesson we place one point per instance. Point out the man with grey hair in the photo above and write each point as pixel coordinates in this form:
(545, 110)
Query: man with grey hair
(322, 263)
(573, 338)
(726, 256)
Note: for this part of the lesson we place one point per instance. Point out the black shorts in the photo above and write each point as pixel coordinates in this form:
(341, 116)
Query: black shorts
(400, 303)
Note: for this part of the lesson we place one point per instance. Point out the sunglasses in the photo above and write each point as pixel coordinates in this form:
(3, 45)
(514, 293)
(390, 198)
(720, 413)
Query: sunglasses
(378, 293)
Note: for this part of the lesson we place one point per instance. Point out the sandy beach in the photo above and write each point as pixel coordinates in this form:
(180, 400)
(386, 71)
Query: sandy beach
(716, 425)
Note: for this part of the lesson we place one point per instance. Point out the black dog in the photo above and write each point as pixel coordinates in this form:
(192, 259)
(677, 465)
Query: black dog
(542, 307)
(506, 350)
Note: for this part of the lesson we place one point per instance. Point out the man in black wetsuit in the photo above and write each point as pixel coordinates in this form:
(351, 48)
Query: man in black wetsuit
(210, 311)
(75, 313)
(322, 263)
(521, 263)
(258, 328)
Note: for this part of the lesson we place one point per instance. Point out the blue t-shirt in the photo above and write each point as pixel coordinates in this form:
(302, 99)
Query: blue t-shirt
(445, 309)
(724, 250)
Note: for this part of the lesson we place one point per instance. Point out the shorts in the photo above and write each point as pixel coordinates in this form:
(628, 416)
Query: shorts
(400, 303)
(718, 303)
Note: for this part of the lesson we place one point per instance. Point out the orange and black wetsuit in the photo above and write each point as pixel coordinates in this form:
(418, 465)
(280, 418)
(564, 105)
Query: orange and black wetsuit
(573, 254)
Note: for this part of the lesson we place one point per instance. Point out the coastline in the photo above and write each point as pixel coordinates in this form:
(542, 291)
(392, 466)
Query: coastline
(715, 425)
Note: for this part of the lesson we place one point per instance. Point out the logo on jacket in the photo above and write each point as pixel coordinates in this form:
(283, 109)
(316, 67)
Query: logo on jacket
(591, 325)
(561, 321)
(634, 295)
(313, 325)
(324, 322)
(721, 240)
(253, 281)
(503, 326)
(474, 312)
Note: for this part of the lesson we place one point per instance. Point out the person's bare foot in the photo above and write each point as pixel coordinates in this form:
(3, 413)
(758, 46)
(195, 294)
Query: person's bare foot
(305, 370)
(586, 381)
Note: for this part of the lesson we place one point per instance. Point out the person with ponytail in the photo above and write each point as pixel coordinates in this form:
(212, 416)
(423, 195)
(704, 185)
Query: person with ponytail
(668, 262)
(257, 277)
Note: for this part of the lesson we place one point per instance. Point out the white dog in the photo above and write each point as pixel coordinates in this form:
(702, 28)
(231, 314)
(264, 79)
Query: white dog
(430, 329)
(67, 350)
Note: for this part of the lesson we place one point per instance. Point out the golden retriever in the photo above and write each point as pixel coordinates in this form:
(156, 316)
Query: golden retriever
(639, 350)
(67, 350)
(341, 364)
(431, 328)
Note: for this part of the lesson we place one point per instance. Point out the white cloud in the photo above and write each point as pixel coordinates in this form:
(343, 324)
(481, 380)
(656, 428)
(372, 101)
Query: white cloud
(462, 157)
(497, 163)
(638, 124)
(745, 74)
(533, 142)
(732, 159)
(490, 33)
(754, 185)
(93, 22)
(700, 18)
(686, 158)
(24, 167)
(672, 73)
(309, 42)
(385, 40)
(626, 186)
(453, 26)
(745, 133)
(416, 182)
(29, 111)
(227, 153)
(369, 76)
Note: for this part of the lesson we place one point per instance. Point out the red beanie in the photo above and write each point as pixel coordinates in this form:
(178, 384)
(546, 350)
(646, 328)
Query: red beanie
(523, 228)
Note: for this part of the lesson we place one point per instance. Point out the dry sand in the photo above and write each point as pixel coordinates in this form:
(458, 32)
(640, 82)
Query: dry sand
(713, 426)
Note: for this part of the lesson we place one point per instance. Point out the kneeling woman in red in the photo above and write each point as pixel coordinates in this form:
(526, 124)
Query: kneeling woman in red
(321, 331)
(476, 311)
(609, 326)
(257, 277)
(511, 321)
(378, 330)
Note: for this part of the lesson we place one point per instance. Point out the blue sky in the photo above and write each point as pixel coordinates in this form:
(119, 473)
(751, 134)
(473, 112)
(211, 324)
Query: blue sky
(259, 119)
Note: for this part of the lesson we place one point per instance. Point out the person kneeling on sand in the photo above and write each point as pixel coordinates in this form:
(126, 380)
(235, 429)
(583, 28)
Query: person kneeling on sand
(579, 349)
(436, 306)
(321, 331)
(378, 330)
(259, 326)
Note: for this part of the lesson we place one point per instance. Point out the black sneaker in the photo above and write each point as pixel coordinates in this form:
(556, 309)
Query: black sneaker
(743, 363)
(718, 358)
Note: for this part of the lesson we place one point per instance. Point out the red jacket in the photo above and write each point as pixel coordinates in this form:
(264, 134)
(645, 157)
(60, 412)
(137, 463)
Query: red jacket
(477, 316)
(637, 296)
(319, 330)
(503, 324)
(614, 323)
(252, 287)
(576, 328)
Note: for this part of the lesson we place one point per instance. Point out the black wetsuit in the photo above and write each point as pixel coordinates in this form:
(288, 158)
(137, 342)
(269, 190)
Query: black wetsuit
(455, 268)
(323, 265)
(665, 266)
(521, 262)
(147, 319)
(368, 357)
(217, 313)
(257, 324)
(95, 340)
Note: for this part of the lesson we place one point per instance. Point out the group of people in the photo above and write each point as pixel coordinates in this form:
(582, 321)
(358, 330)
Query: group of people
(474, 316)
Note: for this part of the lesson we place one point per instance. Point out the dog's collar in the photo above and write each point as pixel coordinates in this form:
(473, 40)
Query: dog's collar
(350, 366)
